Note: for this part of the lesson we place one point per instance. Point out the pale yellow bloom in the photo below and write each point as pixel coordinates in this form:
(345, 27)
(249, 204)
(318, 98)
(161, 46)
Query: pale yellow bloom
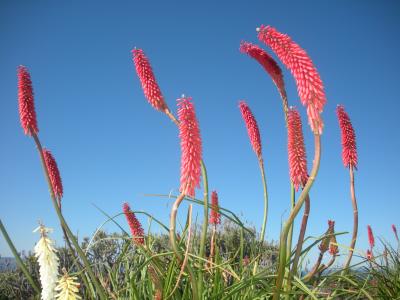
(48, 263)
(67, 288)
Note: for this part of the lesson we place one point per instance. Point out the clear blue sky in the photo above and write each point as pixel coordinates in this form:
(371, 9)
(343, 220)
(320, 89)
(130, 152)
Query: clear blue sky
(111, 146)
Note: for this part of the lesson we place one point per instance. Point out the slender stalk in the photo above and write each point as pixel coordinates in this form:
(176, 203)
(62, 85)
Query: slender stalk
(301, 235)
(205, 225)
(18, 259)
(314, 270)
(289, 239)
(265, 217)
(64, 225)
(212, 243)
(293, 214)
(174, 245)
(329, 264)
(205, 220)
(355, 219)
(290, 235)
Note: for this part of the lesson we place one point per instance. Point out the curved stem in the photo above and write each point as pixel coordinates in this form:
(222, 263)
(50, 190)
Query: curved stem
(314, 270)
(293, 214)
(172, 237)
(355, 219)
(265, 217)
(18, 259)
(264, 224)
(64, 225)
(301, 235)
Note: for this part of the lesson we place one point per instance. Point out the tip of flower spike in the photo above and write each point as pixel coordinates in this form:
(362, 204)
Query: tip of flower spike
(258, 29)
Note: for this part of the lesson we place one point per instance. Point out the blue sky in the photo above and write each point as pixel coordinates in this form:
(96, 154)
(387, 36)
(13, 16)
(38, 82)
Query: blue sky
(111, 146)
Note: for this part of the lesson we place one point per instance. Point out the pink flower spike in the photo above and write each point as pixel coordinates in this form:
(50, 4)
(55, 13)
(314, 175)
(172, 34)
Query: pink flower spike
(134, 225)
(149, 84)
(215, 216)
(349, 148)
(191, 149)
(309, 84)
(54, 174)
(26, 103)
(267, 62)
(296, 150)
(252, 128)
(371, 238)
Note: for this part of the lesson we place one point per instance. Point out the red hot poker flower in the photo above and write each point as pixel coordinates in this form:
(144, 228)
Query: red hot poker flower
(215, 217)
(371, 238)
(349, 148)
(309, 84)
(191, 149)
(134, 225)
(267, 62)
(252, 128)
(54, 173)
(26, 103)
(369, 254)
(149, 84)
(296, 150)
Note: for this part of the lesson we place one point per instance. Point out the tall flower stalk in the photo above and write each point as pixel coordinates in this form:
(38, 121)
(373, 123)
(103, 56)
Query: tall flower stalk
(298, 173)
(255, 140)
(29, 124)
(349, 157)
(312, 96)
(48, 263)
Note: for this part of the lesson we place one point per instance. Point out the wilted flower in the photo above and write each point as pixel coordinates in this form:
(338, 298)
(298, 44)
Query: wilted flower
(48, 263)
(395, 232)
(333, 247)
(149, 83)
(296, 150)
(267, 62)
(191, 149)
(54, 173)
(215, 217)
(309, 84)
(349, 149)
(325, 242)
(252, 128)
(371, 238)
(134, 225)
(68, 288)
(26, 103)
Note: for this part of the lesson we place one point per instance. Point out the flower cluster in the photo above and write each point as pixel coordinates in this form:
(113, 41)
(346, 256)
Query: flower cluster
(191, 147)
(68, 288)
(149, 84)
(215, 216)
(267, 62)
(252, 128)
(333, 247)
(309, 84)
(48, 263)
(371, 239)
(134, 225)
(349, 148)
(296, 150)
(26, 103)
(54, 173)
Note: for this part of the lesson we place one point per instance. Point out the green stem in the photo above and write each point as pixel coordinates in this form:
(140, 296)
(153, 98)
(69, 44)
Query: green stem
(175, 248)
(18, 259)
(293, 214)
(205, 225)
(265, 217)
(355, 219)
(64, 225)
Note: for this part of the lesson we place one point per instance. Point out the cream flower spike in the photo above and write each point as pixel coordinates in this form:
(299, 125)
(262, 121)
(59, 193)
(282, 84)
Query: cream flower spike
(67, 287)
(48, 262)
